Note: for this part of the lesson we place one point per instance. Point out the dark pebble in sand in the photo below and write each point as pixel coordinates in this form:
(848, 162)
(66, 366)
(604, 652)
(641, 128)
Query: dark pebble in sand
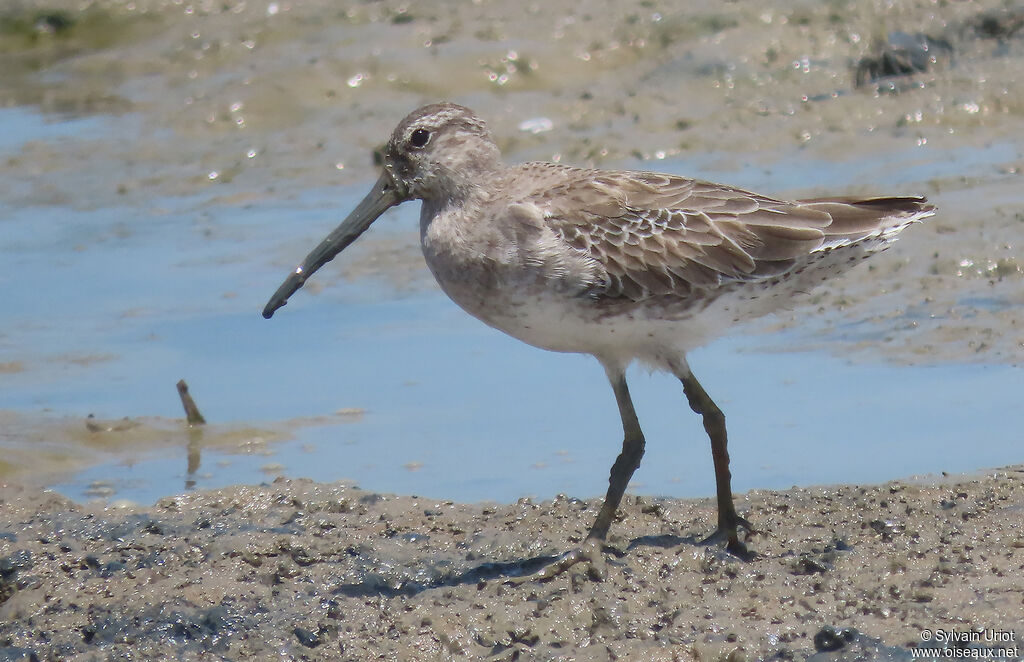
(849, 645)
(999, 24)
(902, 55)
(832, 639)
(805, 565)
(12, 654)
(307, 638)
(12, 563)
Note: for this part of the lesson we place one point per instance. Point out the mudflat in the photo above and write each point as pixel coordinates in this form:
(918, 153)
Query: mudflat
(302, 570)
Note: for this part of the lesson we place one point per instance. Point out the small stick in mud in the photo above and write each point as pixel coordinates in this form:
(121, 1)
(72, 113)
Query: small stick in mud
(192, 414)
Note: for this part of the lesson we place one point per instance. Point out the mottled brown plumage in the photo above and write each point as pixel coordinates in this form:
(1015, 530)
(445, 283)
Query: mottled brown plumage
(623, 265)
(656, 234)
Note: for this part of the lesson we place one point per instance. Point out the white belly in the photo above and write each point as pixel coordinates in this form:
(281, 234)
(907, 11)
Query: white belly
(562, 323)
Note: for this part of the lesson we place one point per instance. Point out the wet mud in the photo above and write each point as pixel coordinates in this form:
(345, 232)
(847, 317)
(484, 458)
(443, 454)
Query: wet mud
(300, 570)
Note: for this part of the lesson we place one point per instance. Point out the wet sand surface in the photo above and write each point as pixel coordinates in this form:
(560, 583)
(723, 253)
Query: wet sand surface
(206, 114)
(309, 571)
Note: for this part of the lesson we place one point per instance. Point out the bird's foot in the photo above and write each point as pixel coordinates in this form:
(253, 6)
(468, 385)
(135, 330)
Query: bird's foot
(729, 534)
(590, 552)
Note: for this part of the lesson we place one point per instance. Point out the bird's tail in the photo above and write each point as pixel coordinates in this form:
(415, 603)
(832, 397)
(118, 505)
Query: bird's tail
(875, 221)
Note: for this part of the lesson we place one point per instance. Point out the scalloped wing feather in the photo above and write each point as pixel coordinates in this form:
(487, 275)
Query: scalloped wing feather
(656, 234)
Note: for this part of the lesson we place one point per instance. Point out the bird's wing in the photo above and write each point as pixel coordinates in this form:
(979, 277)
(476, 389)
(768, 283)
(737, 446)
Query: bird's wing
(655, 234)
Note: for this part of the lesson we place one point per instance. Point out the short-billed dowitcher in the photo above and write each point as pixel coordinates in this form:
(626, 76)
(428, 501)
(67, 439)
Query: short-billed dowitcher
(619, 264)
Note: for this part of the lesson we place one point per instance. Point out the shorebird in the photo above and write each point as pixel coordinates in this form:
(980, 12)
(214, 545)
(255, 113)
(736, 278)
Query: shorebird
(624, 265)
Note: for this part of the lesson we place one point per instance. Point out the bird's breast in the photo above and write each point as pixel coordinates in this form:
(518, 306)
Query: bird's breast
(501, 270)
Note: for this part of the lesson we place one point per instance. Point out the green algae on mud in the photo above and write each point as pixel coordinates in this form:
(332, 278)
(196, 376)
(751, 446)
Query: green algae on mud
(44, 33)
(43, 448)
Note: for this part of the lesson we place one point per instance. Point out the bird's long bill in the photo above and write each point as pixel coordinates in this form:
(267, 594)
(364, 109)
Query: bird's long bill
(381, 197)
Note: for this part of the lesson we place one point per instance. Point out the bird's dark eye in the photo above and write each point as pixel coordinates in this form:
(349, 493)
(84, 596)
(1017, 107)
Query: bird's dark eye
(419, 138)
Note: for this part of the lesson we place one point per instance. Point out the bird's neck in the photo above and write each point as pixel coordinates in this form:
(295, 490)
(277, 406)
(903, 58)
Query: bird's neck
(465, 186)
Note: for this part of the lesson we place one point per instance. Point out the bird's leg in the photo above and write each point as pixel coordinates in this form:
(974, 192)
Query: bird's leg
(714, 423)
(626, 463)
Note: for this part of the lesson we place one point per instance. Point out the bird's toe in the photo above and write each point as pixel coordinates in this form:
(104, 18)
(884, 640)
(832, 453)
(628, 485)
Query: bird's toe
(728, 536)
(591, 552)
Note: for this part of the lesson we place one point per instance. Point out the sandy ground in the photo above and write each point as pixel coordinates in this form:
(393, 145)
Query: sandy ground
(299, 570)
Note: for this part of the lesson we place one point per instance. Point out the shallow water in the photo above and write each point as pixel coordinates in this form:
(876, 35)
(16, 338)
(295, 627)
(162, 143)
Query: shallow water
(456, 411)
(140, 247)
(107, 308)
